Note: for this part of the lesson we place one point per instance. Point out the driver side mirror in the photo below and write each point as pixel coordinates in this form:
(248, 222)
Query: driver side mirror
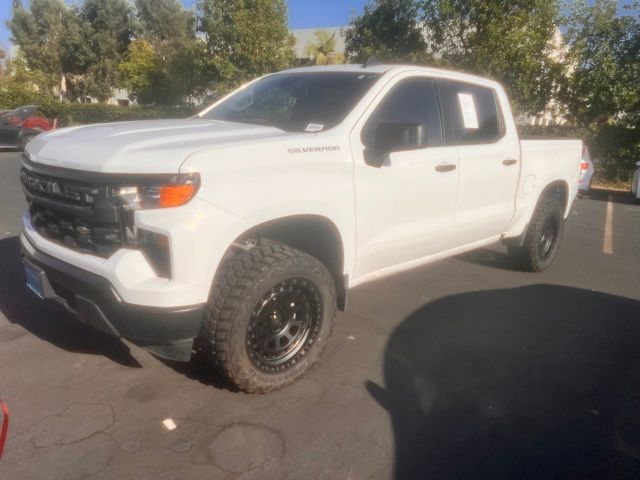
(394, 137)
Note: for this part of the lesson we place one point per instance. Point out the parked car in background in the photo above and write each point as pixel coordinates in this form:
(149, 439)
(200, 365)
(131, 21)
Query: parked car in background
(19, 126)
(586, 171)
(635, 184)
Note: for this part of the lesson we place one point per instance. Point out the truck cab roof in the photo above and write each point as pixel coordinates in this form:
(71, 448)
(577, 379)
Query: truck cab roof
(394, 68)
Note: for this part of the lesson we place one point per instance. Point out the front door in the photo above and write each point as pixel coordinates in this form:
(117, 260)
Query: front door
(404, 208)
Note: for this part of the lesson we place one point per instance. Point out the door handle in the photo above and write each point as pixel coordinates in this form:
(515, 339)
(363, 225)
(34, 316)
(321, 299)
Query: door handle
(509, 161)
(445, 167)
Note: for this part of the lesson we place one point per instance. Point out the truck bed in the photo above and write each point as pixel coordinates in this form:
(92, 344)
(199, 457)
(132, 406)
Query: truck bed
(545, 160)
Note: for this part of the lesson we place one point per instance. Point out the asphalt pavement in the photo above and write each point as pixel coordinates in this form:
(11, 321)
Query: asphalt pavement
(463, 369)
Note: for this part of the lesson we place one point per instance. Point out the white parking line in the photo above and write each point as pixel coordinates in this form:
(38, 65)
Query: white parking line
(607, 247)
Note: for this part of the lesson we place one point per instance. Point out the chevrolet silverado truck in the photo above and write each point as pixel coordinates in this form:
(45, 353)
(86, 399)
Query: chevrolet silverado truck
(236, 234)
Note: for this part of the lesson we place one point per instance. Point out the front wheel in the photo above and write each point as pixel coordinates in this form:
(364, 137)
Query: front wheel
(543, 236)
(269, 316)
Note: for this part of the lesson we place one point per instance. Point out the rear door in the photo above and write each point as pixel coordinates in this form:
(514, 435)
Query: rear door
(404, 208)
(489, 162)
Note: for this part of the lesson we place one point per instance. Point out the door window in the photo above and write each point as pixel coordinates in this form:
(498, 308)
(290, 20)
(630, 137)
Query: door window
(414, 101)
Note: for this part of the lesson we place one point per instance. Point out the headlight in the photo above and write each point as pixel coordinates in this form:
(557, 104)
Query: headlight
(179, 191)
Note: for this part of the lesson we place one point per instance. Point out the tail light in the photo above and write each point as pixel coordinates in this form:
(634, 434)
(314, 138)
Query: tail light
(584, 166)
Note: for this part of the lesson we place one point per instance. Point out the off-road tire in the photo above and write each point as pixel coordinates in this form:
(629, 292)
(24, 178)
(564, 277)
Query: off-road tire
(240, 285)
(528, 257)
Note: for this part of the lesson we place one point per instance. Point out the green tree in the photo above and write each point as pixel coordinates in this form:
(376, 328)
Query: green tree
(510, 40)
(170, 31)
(323, 50)
(388, 29)
(603, 84)
(19, 75)
(245, 39)
(514, 41)
(108, 29)
(601, 90)
(44, 33)
(142, 73)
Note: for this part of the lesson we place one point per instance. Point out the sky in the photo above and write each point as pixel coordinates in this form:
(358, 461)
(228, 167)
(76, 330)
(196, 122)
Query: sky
(302, 14)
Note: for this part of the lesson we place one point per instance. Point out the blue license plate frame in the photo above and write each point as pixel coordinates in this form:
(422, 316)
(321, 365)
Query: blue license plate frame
(34, 278)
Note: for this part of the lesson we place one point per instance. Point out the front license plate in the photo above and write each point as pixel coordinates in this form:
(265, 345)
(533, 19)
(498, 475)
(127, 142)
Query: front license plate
(34, 278)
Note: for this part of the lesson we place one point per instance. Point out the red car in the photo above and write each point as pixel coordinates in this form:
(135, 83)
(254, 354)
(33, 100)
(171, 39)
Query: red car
(19, 126)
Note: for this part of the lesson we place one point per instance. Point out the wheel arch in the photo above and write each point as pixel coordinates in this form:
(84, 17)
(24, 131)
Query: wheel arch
(557, 187)
(314, 234)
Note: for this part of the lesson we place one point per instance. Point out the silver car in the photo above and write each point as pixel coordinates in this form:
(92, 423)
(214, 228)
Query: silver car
(586, 171)
(635, 184)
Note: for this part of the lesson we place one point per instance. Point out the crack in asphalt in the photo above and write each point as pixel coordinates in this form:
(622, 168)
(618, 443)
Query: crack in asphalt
(34, 444)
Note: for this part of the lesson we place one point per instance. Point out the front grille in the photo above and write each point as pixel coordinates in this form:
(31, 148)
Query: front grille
(75, 233)
(74, 214)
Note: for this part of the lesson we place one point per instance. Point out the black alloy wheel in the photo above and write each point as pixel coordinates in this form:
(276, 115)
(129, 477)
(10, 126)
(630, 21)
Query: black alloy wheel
(284, 325)
(548, 237)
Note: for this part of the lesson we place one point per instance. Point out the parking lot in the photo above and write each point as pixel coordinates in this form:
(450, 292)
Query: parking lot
(462, 369)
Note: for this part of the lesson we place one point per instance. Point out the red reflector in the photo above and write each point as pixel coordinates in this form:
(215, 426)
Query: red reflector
(5, 425)
(584, 166)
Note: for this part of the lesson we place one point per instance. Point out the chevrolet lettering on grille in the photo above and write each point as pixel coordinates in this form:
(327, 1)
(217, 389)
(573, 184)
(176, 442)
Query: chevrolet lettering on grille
(55, 188)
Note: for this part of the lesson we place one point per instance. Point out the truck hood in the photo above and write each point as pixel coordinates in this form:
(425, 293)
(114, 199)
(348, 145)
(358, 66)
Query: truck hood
(155, 146)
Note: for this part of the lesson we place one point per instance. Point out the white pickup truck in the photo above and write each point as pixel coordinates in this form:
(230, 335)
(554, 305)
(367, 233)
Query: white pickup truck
(239, 232)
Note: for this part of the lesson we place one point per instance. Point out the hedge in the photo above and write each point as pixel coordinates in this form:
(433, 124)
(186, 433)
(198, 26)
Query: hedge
(69, 114)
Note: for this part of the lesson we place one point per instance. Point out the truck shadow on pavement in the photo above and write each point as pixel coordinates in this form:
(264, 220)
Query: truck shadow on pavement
(489, 257)
(538, 382)
(49, 321)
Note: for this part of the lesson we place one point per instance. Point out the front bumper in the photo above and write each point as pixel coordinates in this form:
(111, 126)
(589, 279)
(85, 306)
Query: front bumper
(167, 332)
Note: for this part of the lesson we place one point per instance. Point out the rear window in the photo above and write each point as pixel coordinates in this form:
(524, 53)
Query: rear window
(475, 115)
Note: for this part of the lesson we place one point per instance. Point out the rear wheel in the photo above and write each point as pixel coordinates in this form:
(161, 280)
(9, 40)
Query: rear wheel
(269, 315)
(543, 236)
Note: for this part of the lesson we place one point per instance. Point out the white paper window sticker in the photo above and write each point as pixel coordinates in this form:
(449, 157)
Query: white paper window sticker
(468, 108)
(314, 127)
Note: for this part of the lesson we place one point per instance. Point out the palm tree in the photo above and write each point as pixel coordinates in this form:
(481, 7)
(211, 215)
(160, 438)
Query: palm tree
(323, 50)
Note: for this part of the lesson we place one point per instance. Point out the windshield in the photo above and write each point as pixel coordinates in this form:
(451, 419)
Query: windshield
(21, 113)
(304, 102)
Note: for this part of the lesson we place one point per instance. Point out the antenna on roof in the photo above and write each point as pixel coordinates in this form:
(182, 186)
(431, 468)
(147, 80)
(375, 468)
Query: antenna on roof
(371, 61)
